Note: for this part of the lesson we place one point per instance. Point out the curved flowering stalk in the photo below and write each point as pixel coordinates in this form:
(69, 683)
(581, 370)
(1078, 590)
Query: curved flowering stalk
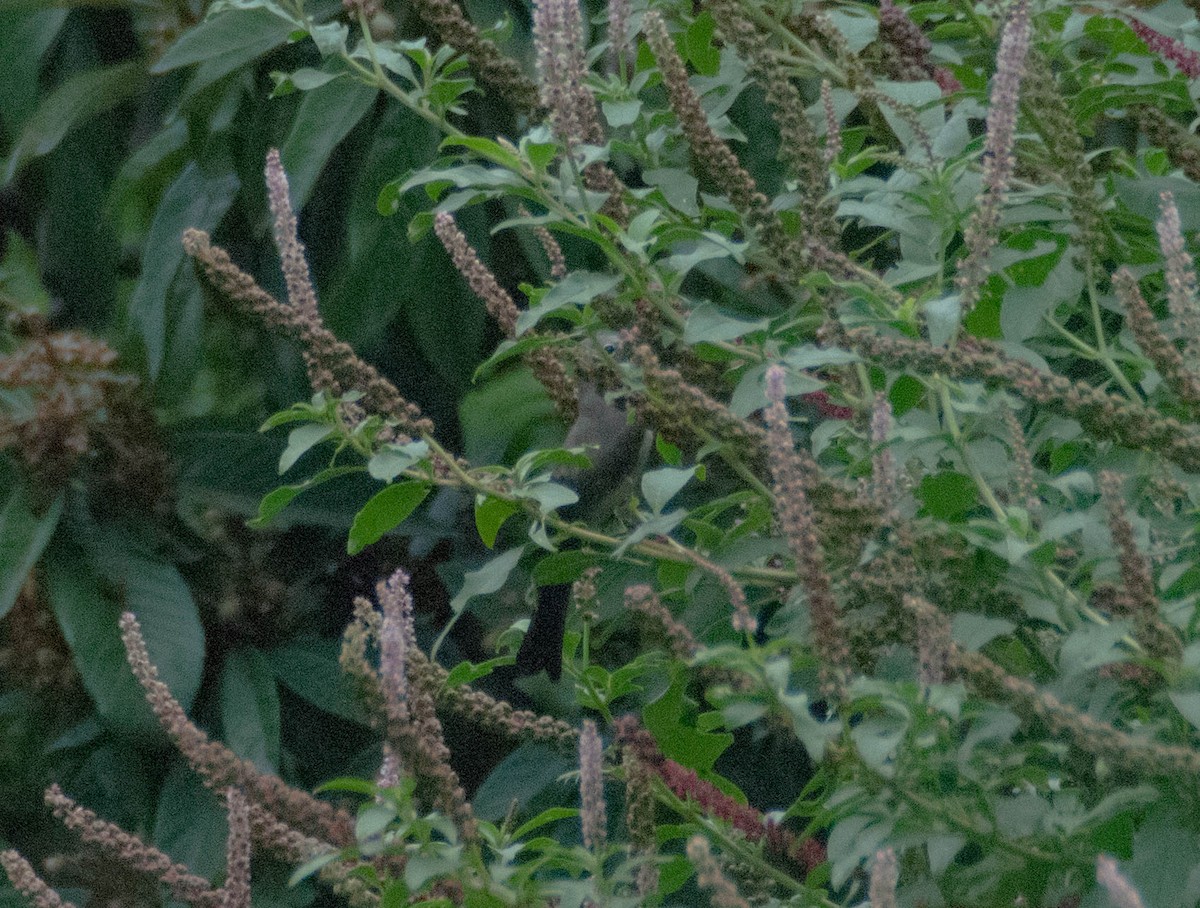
(796, 518)
(218, 766)
(981, 233)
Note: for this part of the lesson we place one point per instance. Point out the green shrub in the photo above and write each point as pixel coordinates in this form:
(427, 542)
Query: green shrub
(898, 606)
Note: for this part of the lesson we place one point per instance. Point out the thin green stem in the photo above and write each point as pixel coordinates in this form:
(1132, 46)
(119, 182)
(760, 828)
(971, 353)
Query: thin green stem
(951, 421)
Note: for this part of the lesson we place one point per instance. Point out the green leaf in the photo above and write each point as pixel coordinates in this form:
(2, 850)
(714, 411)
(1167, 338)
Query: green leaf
(698, 45)
(546, 817)
(227, 40)
(812, 733)
(327, 114)
(943, 316)
(20, 276)
(877, 739)
(948, 495)
(250, 709)
(330, 38)
(1188, 704)
(678, 187)
(304, 79)
(488, 579)
(310, 669)
(621, 113)
(71, 104)
(88, 591)
(392, 460)
(278, 499)
(685, 744)
(576, 289)
(655, 525)
(490, 514)
(1091, 646)
(486, 148)
(670, 454)
(195, 199)
(707, 323)
(661, 485)
(522, 775)
(301, 440)
(373, 819)
(23, 537)
(975, 631)
(190, 824)
(468, 672)
(351, 784)
(858, 29)
(386, 510)
(564, 567)
(25, 36)
(1165, 867)
(311, 866)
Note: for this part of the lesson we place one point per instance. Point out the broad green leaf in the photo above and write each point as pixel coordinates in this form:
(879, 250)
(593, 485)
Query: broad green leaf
(312, 865)
(521, 776)
(89, 590)
(1142, 196)
(976, 631)
(621, 113)
(1091, 646)
(250, 709)
(195, 199)
(564, 566)
(549, 495)
(678, 186)
(878, 738)
(392, 460)
(303, 79)
(227, 40)
(854, 840)
(750, 395)
(661, 485)
(943, 316)
(23, 537)
(656, 525)
(1188, 704)
(488, 579)
(707, 323)
(948, 495)
(486, 148)
(278, 499)
(386, 510)
(309, 668)
(327, 114)
(490, 514)
(330, 38)
(814, 734)
(25, 36)
(686, 744)
(546, 817)
(301, 440)
(1165, 867)
(576, 289)
(373, 819)
(20, 276)
(858, 29)
(698, 45)
(68, 106)
(190, 823)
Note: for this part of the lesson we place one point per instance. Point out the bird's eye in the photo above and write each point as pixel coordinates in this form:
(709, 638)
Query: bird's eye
(610, 348)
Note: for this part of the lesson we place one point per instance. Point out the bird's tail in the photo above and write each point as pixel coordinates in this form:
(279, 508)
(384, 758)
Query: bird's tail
(543, 643)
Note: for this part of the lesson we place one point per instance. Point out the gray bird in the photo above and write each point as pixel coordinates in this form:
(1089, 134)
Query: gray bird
(615, 448)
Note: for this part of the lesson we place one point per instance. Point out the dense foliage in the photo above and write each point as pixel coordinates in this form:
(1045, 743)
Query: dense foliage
(899, 606)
